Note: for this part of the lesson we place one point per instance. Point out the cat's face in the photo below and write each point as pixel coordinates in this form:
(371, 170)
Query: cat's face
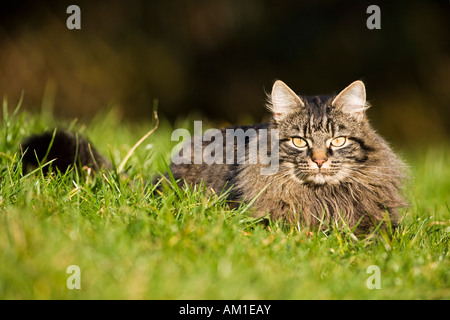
(321, 138)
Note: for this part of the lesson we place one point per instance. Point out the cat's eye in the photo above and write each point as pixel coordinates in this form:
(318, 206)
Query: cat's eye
(299, 142)
(338, 142)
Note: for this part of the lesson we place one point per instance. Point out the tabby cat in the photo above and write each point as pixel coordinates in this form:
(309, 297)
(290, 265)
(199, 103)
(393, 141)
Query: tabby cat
(334, 169)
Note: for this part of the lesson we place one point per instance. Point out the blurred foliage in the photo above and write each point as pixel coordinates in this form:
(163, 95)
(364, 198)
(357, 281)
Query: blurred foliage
(218, 58)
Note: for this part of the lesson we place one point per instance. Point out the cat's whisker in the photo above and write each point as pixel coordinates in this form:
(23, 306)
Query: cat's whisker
(350, 177)
(375, 166)
(375, 172)
(372, 173)
(284, 175)
(289, 176)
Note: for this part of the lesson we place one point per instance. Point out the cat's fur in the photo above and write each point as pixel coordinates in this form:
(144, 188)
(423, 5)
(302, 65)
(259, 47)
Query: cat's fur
(357, 185)
(360, 186)
(64, 148)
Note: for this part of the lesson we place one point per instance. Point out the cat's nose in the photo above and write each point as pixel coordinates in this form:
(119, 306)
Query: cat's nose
(319, 162)
(319, 156)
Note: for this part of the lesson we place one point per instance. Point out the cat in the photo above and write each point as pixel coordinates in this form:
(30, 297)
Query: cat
(333, 168)
(62, 148)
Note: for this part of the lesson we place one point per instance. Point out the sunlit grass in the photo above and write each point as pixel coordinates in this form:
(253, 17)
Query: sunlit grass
(131, 243)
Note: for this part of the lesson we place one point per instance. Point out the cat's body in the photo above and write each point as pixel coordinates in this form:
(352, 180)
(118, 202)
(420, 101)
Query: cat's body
(334, 169)
(64, 148)
(359, 186)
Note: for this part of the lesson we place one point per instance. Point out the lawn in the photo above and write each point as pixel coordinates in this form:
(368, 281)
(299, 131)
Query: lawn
(131, 243)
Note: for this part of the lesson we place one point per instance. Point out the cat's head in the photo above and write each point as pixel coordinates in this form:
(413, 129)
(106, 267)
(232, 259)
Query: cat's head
(323, 139)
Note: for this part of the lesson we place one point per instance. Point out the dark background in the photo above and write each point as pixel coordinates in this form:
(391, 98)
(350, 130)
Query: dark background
(218, 58)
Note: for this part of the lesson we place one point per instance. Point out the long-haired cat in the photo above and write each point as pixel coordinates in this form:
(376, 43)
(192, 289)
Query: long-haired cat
(333, 168)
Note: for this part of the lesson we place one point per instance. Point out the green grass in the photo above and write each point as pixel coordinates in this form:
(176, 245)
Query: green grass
(132, 244)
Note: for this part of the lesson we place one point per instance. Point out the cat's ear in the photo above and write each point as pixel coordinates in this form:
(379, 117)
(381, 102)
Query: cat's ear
(283, 100)
(352, 100)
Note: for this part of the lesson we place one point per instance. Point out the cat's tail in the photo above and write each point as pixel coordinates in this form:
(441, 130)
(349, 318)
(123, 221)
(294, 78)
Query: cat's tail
(63, 149)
